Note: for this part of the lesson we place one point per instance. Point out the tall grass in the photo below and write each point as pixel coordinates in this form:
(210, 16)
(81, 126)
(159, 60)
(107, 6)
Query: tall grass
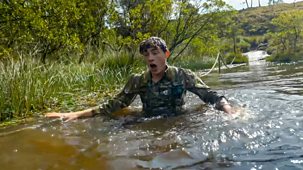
(29, 88)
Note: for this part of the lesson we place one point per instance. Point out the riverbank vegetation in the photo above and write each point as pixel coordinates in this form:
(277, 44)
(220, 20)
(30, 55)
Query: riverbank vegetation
(29, 88)
(67, 55)
(277, 28)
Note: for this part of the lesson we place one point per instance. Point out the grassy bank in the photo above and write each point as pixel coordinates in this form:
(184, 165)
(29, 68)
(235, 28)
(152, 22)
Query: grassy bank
(28, 88)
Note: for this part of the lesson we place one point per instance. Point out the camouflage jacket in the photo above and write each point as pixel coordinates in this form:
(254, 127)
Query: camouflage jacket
(164, 97)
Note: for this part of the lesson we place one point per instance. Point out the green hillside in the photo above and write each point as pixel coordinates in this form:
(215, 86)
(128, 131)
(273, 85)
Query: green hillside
(278, 29)
(257, 20)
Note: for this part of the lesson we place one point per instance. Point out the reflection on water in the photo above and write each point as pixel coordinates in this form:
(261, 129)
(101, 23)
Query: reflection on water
(267, 134)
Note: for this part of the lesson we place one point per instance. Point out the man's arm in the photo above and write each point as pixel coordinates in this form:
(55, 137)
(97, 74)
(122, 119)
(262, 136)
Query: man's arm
(71, 115)
(123, 99)
(195, 85)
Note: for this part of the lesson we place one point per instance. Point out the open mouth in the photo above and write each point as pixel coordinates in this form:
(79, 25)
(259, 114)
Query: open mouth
(153, 66)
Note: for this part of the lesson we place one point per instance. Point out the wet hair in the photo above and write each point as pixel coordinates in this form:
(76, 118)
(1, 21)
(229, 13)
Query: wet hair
(151, 43)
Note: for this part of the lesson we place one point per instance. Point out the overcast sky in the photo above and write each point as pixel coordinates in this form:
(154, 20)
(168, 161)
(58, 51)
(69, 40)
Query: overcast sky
(240, 4)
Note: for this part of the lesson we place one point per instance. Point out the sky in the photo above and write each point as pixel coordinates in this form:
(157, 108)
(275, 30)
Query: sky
(240, 4)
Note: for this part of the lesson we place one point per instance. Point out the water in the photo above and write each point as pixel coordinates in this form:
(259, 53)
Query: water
(256, 56)
(266, 134)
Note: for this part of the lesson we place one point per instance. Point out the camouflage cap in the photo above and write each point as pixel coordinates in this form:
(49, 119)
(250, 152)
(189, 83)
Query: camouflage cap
(152, 42)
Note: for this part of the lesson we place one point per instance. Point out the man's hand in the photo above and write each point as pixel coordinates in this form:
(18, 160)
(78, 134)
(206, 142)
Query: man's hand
(63, 116)
(227, 108)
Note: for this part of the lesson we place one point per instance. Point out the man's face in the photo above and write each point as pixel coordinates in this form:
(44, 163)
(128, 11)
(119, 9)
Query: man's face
(155, 59)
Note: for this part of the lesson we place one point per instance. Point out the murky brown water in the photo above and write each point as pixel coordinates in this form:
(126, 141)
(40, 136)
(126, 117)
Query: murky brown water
(267, 134)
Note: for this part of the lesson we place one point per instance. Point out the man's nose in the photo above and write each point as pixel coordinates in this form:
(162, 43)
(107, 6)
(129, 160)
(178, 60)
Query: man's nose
(150, 57)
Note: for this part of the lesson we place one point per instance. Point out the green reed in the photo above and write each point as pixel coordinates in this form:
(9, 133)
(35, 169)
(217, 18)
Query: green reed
(28, 88)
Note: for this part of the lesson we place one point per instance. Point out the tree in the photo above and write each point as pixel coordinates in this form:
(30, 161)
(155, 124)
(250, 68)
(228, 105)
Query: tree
(274, 2)
(179, 22)
(246, 1)
(43, 27)
(58, 28)
(192, 20)
(289, 27)
(91, 23)
(135, 20)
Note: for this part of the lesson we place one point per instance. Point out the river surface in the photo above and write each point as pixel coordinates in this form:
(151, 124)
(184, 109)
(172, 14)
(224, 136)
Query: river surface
(266, 133)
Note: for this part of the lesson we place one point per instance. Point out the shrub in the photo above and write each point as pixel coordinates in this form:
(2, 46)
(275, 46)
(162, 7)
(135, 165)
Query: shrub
(235, 58)
(286, 57)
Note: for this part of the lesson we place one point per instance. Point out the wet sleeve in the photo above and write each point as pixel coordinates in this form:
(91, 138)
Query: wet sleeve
(195, 85)
(120, 101)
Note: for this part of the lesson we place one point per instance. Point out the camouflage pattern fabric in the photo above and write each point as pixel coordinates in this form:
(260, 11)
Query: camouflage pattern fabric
(165, 97)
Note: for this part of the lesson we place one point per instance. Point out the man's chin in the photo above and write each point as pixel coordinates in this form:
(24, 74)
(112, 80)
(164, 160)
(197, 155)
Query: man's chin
(153, 70)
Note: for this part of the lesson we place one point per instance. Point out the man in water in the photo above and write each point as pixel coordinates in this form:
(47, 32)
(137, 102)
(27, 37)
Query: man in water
(162, 88)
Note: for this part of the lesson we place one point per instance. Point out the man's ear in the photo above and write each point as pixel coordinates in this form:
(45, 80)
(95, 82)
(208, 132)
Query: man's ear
(167, 54)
